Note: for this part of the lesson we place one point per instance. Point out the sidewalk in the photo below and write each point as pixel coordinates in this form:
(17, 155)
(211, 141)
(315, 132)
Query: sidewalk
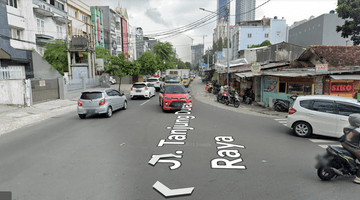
(15, 117)
(199, 92)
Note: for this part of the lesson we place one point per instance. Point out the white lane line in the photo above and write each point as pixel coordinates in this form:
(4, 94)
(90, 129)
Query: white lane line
(280, 119)
(325, 146)
(322, 141)
(282, 122)
(285, 125)
(144, 102)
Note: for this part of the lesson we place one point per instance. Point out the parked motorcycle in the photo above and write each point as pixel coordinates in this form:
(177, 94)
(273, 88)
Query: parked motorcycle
(281, 105)
(338, 161)
(222, 95)
(233, 98)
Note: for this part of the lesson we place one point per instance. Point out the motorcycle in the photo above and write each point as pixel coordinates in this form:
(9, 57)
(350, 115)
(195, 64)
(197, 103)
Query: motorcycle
(209, 87)
(223, 94)
(281, 105)
(233, 98)
(338, 161)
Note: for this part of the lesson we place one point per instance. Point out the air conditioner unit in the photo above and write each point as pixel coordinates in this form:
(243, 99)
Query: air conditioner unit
(43, 7)
(49, 9)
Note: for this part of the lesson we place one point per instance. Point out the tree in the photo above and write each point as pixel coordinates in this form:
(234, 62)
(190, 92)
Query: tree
(56, 55)
(148, 63)
(164, 55)
(349, 10)
(265, 43)
(188, 65)
(181, 65)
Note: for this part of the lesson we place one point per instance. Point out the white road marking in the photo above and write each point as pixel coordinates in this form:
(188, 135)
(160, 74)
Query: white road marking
(282, 122)
(144, 102)
(322, 141)
(285, 125)
(280, 119)
(325, 146)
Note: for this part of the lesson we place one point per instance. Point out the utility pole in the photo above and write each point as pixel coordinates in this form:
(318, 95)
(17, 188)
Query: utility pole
(228, 36)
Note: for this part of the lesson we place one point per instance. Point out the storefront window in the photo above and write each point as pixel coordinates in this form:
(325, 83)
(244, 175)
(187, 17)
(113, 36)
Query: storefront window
(301, 89)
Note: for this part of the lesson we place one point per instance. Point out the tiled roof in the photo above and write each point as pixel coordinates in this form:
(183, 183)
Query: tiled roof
(338, 56)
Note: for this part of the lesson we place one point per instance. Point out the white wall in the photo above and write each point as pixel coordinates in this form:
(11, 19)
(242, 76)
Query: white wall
(12, 92)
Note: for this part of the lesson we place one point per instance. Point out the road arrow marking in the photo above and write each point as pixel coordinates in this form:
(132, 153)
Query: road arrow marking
(167, 192)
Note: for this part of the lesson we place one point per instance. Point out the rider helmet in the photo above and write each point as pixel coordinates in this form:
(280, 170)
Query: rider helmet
(354, 120)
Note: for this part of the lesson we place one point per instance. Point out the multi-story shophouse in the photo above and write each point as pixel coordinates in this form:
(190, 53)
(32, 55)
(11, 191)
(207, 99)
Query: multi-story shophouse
(33, 24)
(81, 48)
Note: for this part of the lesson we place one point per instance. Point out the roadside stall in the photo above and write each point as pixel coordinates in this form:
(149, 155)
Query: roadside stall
(343, 85)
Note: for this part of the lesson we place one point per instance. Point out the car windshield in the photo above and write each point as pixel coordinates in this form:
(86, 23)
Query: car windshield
(172, 79)
(152, 80)
(175, 89)
(91, 95)
(139, 85)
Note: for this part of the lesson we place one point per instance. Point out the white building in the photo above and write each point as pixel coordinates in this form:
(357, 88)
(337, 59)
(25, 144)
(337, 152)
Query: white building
(250, 33)
(221, 31)
(245, 10)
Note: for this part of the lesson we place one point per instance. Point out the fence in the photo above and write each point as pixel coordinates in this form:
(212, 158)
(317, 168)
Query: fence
(45, 90)
(12, 72)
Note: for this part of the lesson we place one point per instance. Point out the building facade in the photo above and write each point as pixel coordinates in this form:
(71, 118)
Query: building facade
(196, 54)
(221, 9)
(318, 31)
(245, 10)
(248, 33)
(97, 21)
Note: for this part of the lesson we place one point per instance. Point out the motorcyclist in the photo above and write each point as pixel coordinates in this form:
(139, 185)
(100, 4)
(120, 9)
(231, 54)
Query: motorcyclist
(351, 142)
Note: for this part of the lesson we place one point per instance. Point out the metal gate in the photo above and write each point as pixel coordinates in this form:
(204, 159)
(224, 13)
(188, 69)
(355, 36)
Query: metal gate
(45, 90)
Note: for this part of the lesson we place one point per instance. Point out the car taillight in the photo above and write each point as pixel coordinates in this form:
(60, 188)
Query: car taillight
(102, 102)
(292, 111)
(146, 88)
(131, 88)
(158, 82)
(79, 102)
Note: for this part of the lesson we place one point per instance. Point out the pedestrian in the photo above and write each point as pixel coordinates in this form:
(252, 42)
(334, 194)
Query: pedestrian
(250, 97)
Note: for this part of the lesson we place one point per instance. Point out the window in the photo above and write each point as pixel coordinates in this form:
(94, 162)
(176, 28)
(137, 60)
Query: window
(59, 32)
(15, 33)
(40, 26)
(323, 106)
(91, 95)
(282, 88)
(249, 35)
(12, 3)
(306, 104)
(72, 13)
(84, 18)
(266, 35)
(52, 2)
(347, 108)
(59, 5)
(298, 88)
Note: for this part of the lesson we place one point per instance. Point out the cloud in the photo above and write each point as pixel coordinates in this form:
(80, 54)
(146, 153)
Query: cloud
(156, 16)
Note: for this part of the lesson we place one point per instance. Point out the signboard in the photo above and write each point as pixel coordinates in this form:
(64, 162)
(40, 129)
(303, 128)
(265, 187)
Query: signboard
(220, 55)
(321, 68)
(99, 64)
(42, 83)
(256, 67)
(342, 88)
(204, 66)
(270, 84)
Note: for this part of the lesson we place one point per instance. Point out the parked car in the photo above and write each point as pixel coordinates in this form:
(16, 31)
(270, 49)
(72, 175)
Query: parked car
(321, 114)
(100, 101)
(156, 83)
(142, 89)
(173, 96)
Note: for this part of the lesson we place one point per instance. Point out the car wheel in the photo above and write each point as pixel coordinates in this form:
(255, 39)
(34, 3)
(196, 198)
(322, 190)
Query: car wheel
(108, 114)
(302, 129)
(125, 105)
(82, 116)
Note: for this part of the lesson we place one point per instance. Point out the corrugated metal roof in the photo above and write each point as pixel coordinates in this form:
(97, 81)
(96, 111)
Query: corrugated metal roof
(345, 77)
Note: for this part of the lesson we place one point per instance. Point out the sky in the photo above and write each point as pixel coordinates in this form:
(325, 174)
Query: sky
(160, 15)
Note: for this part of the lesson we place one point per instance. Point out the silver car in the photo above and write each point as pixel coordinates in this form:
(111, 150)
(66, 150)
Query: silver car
(101, 101)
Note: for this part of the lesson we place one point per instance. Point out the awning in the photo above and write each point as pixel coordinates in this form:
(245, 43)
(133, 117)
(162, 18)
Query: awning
(345, 77)
(246, 74)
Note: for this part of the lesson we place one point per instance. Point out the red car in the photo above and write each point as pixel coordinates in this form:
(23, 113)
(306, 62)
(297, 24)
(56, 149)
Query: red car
(172, 97)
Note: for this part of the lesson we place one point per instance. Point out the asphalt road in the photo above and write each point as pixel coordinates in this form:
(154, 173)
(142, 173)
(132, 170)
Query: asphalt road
(108, 158)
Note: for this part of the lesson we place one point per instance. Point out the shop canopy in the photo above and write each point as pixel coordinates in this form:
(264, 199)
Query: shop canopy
(246, 74)
(345, 77)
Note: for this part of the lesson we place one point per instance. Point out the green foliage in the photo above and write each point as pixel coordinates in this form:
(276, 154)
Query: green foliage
(181, 65)
(103, 53)
(165, 56)
(265, 43)
(188, 65)
(56, 55)
(211, 53)
(148, 63)
(350, 11)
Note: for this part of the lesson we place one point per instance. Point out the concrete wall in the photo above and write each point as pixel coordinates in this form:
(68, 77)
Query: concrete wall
(12, 92)
(42, 68)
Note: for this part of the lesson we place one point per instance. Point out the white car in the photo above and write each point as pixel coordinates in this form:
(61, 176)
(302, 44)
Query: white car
(155, 81)
(142, 89)
(321, 114)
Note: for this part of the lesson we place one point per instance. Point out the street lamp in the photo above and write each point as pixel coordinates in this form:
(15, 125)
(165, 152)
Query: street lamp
(228, 38)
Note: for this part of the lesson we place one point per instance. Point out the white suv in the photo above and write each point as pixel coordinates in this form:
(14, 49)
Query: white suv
(154, 81)
(321, 114)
